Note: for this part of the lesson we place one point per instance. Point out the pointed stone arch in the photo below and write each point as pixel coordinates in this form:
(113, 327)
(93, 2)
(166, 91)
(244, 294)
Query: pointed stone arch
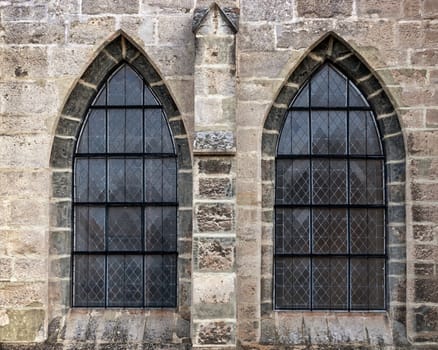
(114, 53)
(338, 53)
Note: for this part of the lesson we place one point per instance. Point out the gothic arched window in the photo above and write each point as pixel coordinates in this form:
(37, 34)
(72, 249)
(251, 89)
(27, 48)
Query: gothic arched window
(330, 251)
(125, 199)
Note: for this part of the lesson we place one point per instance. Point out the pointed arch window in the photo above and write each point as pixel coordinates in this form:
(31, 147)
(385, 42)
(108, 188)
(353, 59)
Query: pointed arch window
(125, 199)
(330, 251)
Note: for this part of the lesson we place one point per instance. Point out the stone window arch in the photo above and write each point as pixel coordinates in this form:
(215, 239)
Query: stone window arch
(116, 54)
(334, 51)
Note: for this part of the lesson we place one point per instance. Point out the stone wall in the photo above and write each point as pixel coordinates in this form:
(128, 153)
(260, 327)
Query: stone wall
(225, 66)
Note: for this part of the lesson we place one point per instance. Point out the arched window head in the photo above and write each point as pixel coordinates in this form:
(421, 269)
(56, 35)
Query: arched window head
(125, 199)
(330, 249)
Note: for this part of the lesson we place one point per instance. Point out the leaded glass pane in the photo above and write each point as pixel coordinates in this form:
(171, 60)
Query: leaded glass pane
(330, 231)
(292, 230)
(302, 100)
(320, 132)
(319, 88)
(160, 228)
(293, 180)
(124, 229)
(134, 88)
(292, 283)
(368, 283)
(160, 277)
(330, 283)
(337, 132)
(125, 280)
(337, 89)
(90, 228)
(89, 280)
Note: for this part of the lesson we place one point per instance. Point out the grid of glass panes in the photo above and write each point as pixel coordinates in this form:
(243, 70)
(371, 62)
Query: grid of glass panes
(125, 200)
(330, 249)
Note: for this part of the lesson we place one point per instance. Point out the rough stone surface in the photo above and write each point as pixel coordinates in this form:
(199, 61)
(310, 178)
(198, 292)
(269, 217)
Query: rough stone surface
(225, 91)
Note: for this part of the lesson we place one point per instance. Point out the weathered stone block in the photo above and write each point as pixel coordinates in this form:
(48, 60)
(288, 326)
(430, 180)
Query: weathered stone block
(426, 270)
(21, 325)
(17, 33)
(215, 217)
(214, 166)
(91, 7)
(430, 9)
(159, 327)
(24, 98)
(263, 10)
(212, 50)
(26, 269)
(213, 295)
(265, 64)
(23, 62)
(328, 8)
(185, 189)
(175, 30)
(302, 35)
(424, 169)
(176, 62)
(168, 6)
(214, 141)
(426, 318)
(62, 152)
(215, 333)
(60, 214)
(374, 8)
(214, 188)
(256, 37)
(423, 233)
(214, 254)
(424, 213)
(215, 81)
(5, 269)
(92, 30)
(411, 9)
(426, 291)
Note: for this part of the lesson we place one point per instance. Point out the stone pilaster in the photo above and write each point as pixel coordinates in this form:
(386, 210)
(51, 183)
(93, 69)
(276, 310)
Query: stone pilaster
(214, 235)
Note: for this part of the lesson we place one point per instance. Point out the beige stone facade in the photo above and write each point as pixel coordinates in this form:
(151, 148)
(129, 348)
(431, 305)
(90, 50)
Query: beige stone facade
(225, 71)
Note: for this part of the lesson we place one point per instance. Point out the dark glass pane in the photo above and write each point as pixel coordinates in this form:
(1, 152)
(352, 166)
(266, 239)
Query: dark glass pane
(116, 88)
(292, 283)
(337, 132)
(374, 146)
(153, 130)
(160, 228)
(302, 100)
(376, 282)
(90, 180)
(125, 280)
(358, 181)
(374, 182)
(367, 283)
(300, 132)
(100, 99)
(160, 180)
(320, 88)
(166, 136)
(320, 132)
(134, 87)
(116, 180)
(134, 131)
(367, 231)
(358, 134)
(149, 98)
(124, 229)
(134, 179)
(330, 278)
(93, 137)
(329, 181)
(356, 98)
(366, 181)
(116, 130)
(330, 231)
(285, 142)
(337, 89)
(160, 277)
(89, 228)
(89, 280)
(292, 183)
(292, 229)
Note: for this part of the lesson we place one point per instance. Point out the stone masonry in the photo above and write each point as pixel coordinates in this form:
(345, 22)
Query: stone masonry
(224, 71)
